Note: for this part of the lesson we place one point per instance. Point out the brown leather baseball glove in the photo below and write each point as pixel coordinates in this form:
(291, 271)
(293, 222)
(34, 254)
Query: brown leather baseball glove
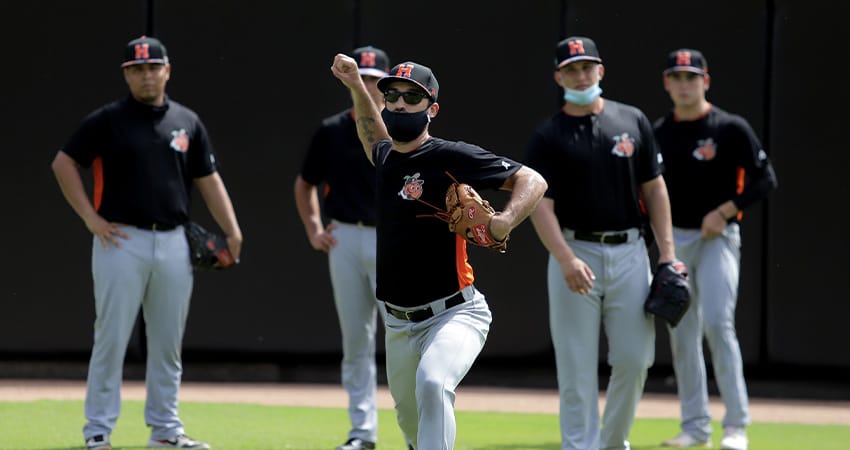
(468, 216)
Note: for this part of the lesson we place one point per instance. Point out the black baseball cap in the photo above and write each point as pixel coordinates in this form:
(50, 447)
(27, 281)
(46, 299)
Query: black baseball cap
(576, 48)
(415, 73)
(144, 50)
(372, 61)
(686, 60)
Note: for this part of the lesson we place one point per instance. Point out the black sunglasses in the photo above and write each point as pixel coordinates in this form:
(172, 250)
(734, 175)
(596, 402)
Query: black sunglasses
(410, 97)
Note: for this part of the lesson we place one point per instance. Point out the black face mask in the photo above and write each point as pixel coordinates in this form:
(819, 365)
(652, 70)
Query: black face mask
(405, 127)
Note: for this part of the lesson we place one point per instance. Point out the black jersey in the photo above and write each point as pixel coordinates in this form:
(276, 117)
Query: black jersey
(707, 161)
(419, 259)
(595, 164)
(335, 157)
(144, 159)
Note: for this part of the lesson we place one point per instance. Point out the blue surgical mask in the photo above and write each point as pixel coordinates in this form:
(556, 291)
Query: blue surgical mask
(582, 97)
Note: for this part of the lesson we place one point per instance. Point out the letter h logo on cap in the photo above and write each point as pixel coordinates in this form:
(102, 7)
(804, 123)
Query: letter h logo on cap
(686, 60)
(404, 70)
(143, 51)
(576, 47)
(367, 59)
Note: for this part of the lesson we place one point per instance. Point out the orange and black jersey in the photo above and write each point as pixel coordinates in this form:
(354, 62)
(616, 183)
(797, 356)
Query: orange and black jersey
(335, 157)
(419, 259)
(595, 164)
(144, 159)
(709, 161)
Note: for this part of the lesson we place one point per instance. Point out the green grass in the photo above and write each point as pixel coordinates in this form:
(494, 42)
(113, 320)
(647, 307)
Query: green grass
(57, 425)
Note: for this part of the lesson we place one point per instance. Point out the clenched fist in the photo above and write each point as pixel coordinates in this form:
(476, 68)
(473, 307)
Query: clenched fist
(345, 68)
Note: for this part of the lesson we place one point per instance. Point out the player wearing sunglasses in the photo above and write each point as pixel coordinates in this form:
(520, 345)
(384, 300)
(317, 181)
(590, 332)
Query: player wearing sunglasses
(437, 321)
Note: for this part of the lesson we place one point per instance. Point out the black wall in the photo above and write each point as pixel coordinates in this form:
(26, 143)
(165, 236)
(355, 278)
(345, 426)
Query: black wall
(258, 73)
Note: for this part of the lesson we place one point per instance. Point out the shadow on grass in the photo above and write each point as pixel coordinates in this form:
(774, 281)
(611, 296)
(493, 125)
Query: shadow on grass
(82, 447)
(546, 446)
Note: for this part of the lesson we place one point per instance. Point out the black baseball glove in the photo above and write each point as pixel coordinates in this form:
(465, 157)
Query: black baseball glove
(207, 250)
(669, 294)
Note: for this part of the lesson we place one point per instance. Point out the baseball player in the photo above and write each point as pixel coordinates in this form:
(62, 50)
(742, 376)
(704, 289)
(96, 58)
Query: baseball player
(708, 154)
(145, 152)
(335, 158)
(436, 321)
(600, 159)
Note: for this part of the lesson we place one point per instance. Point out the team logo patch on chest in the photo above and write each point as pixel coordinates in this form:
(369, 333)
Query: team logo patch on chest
(412, 188)
(179, 140)
(706, 150)
(624, 146)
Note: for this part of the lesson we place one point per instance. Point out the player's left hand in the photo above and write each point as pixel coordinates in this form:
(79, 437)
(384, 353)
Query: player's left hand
(578, 275)
(234, 244)
(713, 224)
(324, 240)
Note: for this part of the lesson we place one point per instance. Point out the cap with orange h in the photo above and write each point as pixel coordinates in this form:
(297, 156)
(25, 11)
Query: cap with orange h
(144, 50)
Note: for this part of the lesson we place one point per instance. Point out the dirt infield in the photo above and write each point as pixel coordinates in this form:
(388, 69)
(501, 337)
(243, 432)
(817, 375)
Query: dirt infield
(468, 398)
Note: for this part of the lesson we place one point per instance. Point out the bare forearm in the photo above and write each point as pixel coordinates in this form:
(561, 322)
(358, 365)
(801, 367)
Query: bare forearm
(658, 206)
(71, 184)
(307, 203)
(218, 202)
(527, 190)
(370, 127)
(549, 231)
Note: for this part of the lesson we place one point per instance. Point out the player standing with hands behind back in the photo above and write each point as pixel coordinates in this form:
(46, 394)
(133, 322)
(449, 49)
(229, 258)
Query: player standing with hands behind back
(600, 158)
(437, 321)
(708, 153)
(146, 151)
(335, 157)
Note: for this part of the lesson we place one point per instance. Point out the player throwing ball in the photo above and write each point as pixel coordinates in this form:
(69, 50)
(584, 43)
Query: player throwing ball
(437, 321)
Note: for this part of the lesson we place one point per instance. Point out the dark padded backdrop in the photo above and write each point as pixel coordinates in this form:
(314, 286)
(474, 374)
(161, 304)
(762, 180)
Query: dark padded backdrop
(258, 74)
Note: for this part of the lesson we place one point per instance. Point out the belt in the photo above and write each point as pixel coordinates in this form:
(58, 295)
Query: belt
(156, 227)
(149, 226)
(606, 237)
(418, 315)
(362, 223)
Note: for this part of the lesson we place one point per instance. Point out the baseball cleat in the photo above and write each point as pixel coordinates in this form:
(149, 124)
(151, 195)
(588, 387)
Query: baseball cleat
(734, 438)
(685, 440)
(356, 444)
(99, 442)
(179, 441)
